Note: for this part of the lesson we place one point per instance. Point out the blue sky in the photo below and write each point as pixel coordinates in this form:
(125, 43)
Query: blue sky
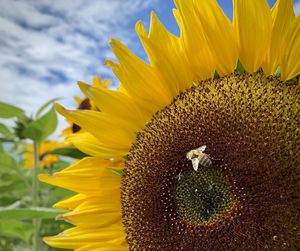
(47, 45)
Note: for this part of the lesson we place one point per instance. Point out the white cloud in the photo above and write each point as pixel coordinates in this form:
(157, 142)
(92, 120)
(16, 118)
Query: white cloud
(46, 46)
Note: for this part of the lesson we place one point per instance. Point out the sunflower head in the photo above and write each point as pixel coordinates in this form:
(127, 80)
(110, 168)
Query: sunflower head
(248, 124)
(229, 86)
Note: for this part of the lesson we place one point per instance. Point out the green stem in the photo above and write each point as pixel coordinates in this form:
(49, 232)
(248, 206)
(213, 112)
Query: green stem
(35, 194)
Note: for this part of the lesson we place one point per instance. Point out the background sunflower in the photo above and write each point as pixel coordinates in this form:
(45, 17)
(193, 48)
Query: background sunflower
(45, 160)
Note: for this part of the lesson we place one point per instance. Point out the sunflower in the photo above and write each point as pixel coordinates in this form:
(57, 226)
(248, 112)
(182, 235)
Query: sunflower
(85, 104)
(45, 160)
(198, 150)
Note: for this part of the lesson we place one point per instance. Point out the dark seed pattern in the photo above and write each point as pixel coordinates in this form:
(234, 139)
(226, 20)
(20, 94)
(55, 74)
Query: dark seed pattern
(250, 125)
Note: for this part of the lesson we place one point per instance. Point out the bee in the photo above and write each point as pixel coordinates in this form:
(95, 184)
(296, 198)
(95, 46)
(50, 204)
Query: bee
(197, 156)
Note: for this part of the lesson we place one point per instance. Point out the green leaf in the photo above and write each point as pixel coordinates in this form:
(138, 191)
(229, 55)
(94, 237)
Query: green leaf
(6, 161)
(59, 193)
(240, 68)
(61, 164)
(16, 229)
(7, 200)
(6, 140)
(69, 152)
(277, 72)
(14, 187)
(117, 171)
(29, 213)
(10, 111)
(45, 106)
(43, 127)
(5, 131)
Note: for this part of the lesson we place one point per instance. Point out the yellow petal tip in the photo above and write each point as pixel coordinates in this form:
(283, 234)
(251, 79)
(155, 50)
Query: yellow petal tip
(50, 240)
(46, 177)
(153, 16)
(109, 63)
(83, 86)
(113, 42)
(60, 109)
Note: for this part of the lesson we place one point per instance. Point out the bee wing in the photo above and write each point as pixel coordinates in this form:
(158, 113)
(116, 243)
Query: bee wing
(195, 162)
(201, 148)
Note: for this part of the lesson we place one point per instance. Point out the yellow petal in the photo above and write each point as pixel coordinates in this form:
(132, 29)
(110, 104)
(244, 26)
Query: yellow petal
(71, 203)
(219, 34)
(194, 42)
(178, 19)
(99, 216)
(290, 63)
(87, 143)
(67, 131)
(111, 131)
(109, 247)
(101, 84)
(166, 55)
(92, 217)
(282, 16)
(78, 100)
(92, 171)
(252, 23)
(78, 237)
(117, 104)
(139, 78)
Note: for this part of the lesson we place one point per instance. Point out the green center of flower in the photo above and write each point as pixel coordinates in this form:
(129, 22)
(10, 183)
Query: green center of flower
(202, 195)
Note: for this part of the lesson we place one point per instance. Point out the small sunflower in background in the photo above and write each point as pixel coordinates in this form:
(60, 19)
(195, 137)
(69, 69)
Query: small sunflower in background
(86, 104)
(198, 150)
(45, 159)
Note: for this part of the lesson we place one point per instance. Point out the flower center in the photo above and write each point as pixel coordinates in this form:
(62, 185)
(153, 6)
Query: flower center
(202, 196)
(246, 195)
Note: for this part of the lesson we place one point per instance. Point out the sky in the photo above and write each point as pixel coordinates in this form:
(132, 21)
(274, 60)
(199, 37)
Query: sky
(46, 46)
